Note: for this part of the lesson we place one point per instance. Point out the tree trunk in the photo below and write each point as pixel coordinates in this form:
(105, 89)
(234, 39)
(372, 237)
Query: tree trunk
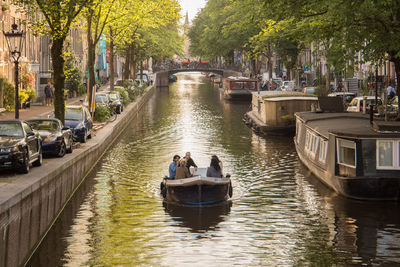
(91, 61)
(111, 60)
(56, 51)
(127, 61)
(132, 63)
(328, 79)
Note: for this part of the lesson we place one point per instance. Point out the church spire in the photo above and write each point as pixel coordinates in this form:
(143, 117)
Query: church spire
(187, 18)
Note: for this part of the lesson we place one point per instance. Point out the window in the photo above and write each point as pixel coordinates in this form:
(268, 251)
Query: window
(346, 151)
(323, 150)
(312, 142)
(298, 130)
(388, 154)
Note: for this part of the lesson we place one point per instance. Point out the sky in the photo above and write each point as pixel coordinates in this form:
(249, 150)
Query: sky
(192, 6)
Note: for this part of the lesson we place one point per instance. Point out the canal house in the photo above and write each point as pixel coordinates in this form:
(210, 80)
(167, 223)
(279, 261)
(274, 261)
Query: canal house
(272, 112)
(354, 156)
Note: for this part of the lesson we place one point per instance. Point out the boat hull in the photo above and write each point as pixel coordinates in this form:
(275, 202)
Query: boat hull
(363, 188)
(197, 190)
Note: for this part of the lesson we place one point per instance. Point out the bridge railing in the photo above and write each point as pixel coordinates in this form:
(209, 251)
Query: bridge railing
(196, 66)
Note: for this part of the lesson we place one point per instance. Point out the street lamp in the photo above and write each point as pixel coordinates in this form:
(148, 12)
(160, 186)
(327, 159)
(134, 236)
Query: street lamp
(15, 44)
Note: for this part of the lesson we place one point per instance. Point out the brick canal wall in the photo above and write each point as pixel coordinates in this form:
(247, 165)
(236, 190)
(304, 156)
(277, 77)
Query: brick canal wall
(30, 203)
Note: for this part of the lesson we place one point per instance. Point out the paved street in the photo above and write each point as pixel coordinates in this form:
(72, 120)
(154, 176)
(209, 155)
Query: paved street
(37, 111)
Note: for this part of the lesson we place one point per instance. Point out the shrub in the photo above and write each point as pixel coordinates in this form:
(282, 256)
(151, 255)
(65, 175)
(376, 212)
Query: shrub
(23, 96)
(101, 113)
(125, 95)
(8, 95)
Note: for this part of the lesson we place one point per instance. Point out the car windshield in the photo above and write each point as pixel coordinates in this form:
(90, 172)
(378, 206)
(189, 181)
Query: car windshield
(113, 96)
(48, 125)
(73, 114)
(101, 99)
(13, 129)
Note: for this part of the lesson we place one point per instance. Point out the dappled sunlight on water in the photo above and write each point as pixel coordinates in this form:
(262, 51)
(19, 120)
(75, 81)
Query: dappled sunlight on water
(279, 213)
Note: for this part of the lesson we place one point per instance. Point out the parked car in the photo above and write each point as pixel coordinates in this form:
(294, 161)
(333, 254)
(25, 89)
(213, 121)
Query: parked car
(20, 146)
(288, 86)
(309, 90)
(56, 139)
(116, 101)
(140, 83)
(145, 78)
(356, 105)
(347, 96)
(78, 119)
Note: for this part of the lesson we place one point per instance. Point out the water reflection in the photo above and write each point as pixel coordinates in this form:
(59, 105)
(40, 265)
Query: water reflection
(280, 214)
(364, 232)
(198, 219)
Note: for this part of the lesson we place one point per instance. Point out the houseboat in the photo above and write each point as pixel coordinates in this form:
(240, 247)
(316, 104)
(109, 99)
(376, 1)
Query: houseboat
(197, 190)
(272, 112)
(238, 88)
(352, 155)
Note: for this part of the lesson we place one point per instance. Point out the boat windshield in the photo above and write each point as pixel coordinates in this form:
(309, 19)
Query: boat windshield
(12, 129)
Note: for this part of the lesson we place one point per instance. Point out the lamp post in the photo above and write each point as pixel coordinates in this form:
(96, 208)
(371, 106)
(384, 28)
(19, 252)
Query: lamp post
(15, 44)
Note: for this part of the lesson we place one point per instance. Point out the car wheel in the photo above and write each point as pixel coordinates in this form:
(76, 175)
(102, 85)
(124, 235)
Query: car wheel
(119, 110)
(84, 138)
(90, 135)
(39, 160)
(25, 164)
(69, 150)
(63, 150)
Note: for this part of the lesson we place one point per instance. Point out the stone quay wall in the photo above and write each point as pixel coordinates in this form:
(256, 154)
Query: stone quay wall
(30, 203)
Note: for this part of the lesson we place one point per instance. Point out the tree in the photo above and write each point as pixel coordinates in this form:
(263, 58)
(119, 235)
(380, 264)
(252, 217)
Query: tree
(55, 18)
(97, 16)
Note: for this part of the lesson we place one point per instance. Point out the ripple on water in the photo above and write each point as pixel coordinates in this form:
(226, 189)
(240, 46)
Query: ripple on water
(279, 214)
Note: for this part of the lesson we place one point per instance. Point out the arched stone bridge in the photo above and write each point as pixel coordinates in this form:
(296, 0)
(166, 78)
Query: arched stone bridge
(161, 77)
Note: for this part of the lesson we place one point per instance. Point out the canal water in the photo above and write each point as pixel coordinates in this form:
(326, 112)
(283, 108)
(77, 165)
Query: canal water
(279, 214)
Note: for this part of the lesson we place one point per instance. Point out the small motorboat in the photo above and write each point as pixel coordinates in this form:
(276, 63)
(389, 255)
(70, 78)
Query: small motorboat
(197, 190)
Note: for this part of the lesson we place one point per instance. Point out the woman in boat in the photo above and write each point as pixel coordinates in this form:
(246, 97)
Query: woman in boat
(182, 171)
(215, 169)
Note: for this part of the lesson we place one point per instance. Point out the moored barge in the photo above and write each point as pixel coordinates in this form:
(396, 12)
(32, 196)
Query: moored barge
(355, 157)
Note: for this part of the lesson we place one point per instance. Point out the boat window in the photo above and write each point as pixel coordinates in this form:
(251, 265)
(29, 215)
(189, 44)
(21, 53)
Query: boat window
(312, 142)
(237, 85)
(323, 149)
(298, 130)
(388, 154)
(346, 151)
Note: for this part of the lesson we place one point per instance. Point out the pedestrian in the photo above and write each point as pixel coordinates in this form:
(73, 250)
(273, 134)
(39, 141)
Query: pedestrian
(190, 162)
(48, 91)
(172, 167)
(391, 92)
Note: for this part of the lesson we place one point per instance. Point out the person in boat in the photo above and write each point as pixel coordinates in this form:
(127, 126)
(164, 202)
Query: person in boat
(190, 162)
(173, 166)
(215, 169)
(182, 171)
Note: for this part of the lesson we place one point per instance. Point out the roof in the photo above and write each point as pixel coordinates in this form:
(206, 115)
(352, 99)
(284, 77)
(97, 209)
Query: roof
(240, 79)
(341, 93)
(355, 125)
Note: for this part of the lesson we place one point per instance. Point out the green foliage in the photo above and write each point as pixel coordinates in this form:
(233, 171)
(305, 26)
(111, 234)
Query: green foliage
(124, 93)
(73, 74)
(288, 117)
(23, 96)
(8, 94)
(101, 113)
